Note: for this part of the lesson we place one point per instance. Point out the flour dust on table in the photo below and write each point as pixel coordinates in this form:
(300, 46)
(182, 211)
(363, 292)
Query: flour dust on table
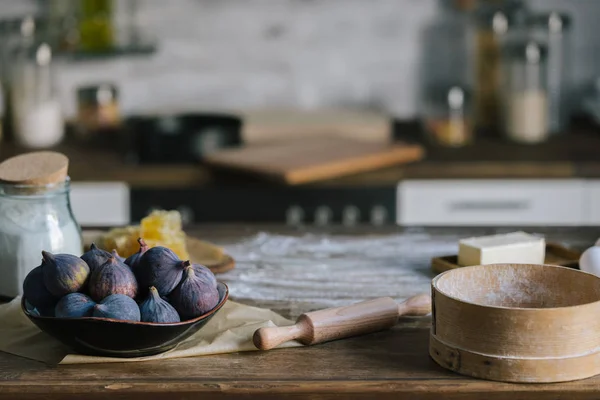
(313, 271)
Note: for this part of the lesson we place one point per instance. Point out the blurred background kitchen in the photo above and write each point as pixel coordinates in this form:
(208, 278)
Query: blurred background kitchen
(311, 112)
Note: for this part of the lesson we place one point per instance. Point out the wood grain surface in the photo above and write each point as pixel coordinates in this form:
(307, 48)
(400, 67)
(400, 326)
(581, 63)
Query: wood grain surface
(307, 160)
(390, 364)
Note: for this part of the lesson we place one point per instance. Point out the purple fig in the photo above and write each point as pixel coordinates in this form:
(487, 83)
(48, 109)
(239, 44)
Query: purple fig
(193, 296)
(160, 267)
(74, 305)
(35, 291)
(116, 255)
(118, 306)
(134, 259)
(64, 273)
(205, 274)
(112, 277)
(155, 309)
(95, 257)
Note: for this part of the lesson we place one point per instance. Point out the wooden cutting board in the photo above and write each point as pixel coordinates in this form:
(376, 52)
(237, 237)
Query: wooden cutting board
(306, 160)
(261, 126)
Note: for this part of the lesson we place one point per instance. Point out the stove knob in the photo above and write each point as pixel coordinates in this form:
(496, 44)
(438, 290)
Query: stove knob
(350, 215)
(378, 215)
(323, 215)
(294, 215)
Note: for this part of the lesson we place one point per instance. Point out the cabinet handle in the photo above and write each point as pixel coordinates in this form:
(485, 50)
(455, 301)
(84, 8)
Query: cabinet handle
(500, 205)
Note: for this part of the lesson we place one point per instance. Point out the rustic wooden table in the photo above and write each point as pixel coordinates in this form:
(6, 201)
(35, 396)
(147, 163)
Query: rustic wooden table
(388, 364)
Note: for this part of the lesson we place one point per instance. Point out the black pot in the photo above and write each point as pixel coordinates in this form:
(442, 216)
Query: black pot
(180, 139)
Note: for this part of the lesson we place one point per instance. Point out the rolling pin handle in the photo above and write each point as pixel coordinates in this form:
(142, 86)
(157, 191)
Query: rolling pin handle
(419, 305)
(271, 337)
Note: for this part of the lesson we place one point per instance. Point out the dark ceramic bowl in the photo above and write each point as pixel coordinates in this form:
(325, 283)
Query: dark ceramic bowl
(115, 338)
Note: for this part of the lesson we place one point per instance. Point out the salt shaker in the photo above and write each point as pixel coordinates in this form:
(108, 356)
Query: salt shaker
(35, 215)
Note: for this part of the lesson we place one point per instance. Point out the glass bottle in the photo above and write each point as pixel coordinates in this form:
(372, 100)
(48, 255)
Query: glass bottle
(493, 22)
(554, 30)
(36, 109)
(525, 98)
(16, 41)
(34, 218)
(96, 28)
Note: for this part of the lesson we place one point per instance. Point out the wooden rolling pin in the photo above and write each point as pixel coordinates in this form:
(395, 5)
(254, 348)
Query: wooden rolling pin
(342, 322)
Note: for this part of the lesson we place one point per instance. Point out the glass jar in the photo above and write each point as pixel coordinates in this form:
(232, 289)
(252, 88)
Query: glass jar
(34, 218)
(554, 30)
(448, 120)
(17, 38)
(36, 109)
(493, 23)
(97, 110)
(525, 98)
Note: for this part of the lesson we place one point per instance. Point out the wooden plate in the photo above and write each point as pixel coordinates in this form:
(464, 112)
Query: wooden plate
(556, 254)
(201, 252)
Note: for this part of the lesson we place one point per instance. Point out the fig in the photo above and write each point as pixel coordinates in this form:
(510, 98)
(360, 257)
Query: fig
(74, 305)
(204, 273)
(64, 273)
(112, 277)
(118, 306)
(35, 291)
(160, 267)
(193, 296)
(95, 257)
(134, 259)
(155, 309)
(116, 255)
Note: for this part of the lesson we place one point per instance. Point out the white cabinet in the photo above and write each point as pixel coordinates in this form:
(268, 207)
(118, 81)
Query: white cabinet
(593, 194)
(101, 204)
(493, 202)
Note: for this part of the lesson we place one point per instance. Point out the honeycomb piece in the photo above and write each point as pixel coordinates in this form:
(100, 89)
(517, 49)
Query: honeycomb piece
(175, 244)
(124, 240)
(160, 224)
(160, 228)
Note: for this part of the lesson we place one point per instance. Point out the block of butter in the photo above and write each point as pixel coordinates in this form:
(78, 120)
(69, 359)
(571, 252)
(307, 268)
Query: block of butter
(515, 247)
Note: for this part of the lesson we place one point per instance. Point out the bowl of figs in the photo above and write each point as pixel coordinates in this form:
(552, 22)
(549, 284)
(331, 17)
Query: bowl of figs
(105, 305)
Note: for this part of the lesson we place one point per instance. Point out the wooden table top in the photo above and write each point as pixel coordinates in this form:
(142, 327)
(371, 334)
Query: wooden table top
(389, 364)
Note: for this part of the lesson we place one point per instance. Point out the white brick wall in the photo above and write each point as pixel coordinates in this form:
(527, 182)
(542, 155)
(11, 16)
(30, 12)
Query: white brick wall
(305, 53)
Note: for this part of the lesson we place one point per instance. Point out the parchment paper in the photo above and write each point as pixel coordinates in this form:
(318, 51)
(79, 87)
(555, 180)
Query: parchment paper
(230, 330)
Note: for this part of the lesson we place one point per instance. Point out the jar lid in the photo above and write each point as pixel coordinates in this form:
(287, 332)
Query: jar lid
(449, 96)
(530, 51)
(499, 16)
(554, 21)
(35, 168)
(101, 94)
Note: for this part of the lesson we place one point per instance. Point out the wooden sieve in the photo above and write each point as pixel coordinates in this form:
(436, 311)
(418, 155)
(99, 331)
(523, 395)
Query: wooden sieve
(517, 322)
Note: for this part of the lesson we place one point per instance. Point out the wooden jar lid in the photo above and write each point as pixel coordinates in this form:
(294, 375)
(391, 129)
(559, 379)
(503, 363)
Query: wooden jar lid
(35, 168)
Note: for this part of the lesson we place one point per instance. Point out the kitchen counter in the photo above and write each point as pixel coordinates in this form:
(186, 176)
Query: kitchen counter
(573, 154)
(388, 364)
